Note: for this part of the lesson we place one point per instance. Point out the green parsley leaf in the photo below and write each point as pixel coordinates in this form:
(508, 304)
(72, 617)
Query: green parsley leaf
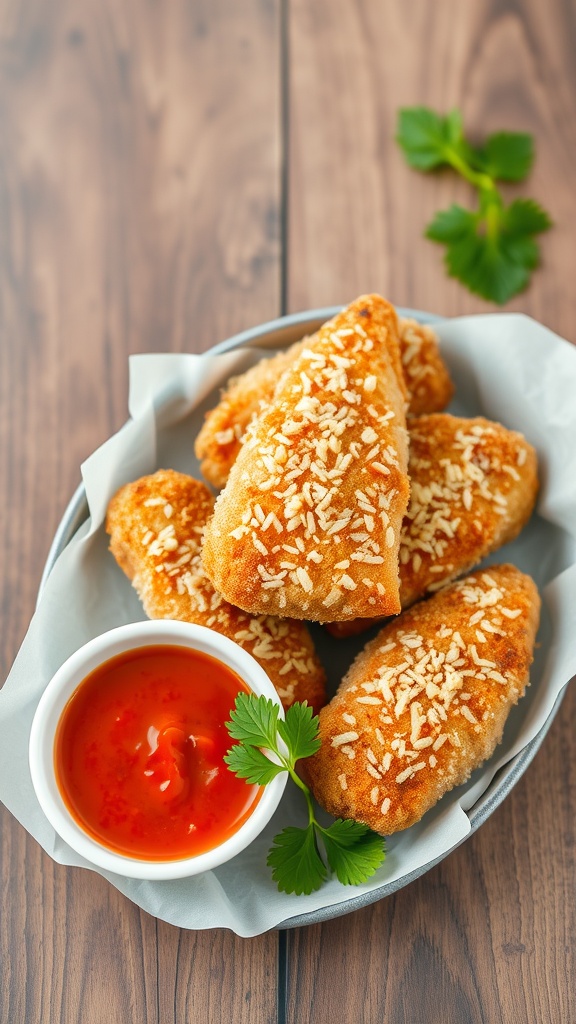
(427, 138)
(254, 721)
(451, 225)
(295, 861)
(251, 764)
(492, 249)
(494, 264)
(354, 852)
(506, 156)
(299, 731)
(526, 217)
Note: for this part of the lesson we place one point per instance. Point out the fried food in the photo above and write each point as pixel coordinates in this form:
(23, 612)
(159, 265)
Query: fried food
(425, 702)
(473, 485)
(155, 526)
(308, 524)
(427, 378)
(220, 439)
(223, 431)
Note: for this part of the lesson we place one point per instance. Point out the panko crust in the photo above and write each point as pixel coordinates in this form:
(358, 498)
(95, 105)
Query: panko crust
(156, 526)
(473, 486)
(223, 431)
(426, 701)
(308, 524)
(426, 376)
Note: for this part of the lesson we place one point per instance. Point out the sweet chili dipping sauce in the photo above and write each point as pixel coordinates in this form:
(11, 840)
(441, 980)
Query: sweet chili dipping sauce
(139, 754)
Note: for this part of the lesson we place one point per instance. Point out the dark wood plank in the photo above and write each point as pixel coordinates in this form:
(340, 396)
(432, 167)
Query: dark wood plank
(489, 935)
(216, 977)
(139, 211)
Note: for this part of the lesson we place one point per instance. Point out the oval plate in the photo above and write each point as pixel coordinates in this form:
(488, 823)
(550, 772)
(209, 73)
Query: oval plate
(277, 334)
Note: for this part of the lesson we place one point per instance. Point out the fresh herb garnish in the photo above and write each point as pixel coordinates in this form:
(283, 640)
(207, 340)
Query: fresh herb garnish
(492, 249)
(267, 746)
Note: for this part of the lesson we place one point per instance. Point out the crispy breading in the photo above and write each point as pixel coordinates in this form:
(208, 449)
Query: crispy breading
(426, 701)
(224, 428)
(155, 526)
(473, 485)
(427, 378)
(308, 524)
(220, 439)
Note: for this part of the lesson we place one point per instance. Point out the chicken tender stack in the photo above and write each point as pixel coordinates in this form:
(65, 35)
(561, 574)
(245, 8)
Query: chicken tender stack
(155, 526)
(220, 439)
(426, 701)
(473, 485)
(308, 524)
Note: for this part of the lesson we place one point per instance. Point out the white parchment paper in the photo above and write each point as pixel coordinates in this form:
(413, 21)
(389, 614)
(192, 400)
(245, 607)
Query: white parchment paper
(506, 367)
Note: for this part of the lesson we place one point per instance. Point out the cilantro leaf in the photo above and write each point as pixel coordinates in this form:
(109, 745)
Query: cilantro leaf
(295, 861)
(254, 721)
(488, 267)
(451, 225)
(526, 217)
(427, 138)
(251, 764)
(505, 156)
(299, 731)
(353, 851)
(492, 251)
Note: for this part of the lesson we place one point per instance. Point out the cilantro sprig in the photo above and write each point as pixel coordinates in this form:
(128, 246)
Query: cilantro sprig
(491, 249)
(267, 746)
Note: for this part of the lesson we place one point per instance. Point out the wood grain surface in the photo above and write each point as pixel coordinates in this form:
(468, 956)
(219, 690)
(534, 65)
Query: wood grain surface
(140, 197)
(173, 172)
(490, 935)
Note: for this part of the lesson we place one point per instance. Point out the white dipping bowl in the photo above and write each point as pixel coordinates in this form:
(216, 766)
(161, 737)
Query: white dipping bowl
(57, 694)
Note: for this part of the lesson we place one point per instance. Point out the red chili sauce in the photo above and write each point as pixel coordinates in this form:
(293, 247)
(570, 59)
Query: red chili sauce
(139, 754)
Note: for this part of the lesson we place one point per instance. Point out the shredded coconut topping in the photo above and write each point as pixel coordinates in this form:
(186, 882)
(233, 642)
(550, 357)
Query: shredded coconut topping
(420, 689)
(439, 510)
(327, 430)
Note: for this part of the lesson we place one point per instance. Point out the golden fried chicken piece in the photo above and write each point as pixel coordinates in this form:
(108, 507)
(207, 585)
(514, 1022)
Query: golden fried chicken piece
(223, 431)
(220, 439)
(473, 485)
(155, 525)
(425, 702)
(308, 524)
(427, 378)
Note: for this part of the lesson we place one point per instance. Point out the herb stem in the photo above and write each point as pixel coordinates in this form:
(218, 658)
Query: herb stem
(492, 220)
(476, 178)
(302, 785)
(490, 249)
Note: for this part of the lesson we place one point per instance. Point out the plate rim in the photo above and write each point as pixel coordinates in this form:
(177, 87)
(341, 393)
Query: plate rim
(505, 778)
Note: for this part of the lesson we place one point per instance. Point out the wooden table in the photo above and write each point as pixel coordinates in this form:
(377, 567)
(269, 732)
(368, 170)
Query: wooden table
(171, 173)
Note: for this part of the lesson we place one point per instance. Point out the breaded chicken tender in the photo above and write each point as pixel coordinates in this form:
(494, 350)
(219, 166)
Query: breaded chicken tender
(223, 431)
(220, 439)
(425, 702)
(427, 378)
(308, 524)
(473, 485)
(155, 526)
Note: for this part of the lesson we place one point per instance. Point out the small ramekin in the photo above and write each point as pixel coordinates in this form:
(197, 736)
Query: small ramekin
(60, 689)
